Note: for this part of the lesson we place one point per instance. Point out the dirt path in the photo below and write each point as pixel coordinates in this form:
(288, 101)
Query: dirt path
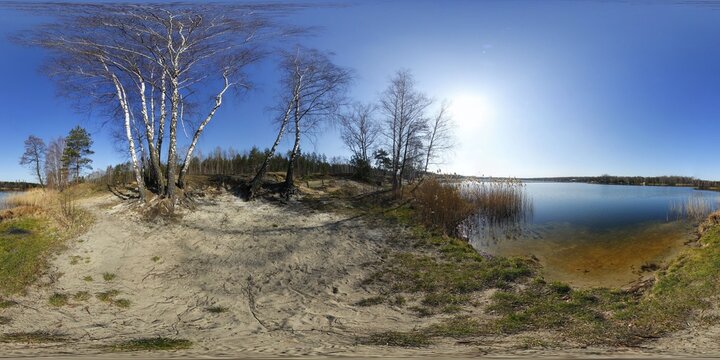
(282, 280)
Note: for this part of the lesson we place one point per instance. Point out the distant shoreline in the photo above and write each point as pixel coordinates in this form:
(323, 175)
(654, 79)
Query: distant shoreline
(17, 186)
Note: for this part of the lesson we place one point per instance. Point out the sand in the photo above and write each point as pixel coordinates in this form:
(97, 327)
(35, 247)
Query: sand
(287, 276)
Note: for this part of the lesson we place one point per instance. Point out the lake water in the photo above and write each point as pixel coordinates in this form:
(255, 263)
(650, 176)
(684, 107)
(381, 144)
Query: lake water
(2, 199)
(596, 235)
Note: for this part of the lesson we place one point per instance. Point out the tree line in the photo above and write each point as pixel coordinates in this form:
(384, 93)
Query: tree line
(158, 69)
(636, 180)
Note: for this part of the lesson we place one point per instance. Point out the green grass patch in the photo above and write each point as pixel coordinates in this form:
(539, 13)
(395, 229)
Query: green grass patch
(152, 344)
(4, 304)
(155, 258)
(409, 272)
(88, 278)
(23, 252)
(34, 337)
(122, 303)
(58, 299)
(459, 327)
(395, 338)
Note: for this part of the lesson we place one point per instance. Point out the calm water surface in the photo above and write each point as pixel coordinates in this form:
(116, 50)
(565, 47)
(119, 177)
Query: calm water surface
(596, 235)
(2, 198)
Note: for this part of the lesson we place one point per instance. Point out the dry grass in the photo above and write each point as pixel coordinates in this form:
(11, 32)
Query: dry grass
(441, 206)
(59, 206)
(446, 207)
(695, 208)
(498, 201)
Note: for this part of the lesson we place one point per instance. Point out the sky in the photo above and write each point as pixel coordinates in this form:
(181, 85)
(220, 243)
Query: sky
(538, 88)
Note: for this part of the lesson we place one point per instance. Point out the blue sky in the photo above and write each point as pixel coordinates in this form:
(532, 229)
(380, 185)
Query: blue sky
(539, 88)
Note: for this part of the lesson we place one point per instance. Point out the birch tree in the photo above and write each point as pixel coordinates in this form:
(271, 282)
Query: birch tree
(359, 130)
(34, 157)
(312, 91)
(55, 173)
(150, 61)
(404, 111)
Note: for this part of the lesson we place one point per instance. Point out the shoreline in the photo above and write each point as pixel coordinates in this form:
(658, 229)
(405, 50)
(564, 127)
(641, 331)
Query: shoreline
(309, 277)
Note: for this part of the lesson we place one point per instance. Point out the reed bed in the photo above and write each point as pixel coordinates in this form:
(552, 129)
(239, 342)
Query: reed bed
(695, 208)
(498, 202)
(456, 208)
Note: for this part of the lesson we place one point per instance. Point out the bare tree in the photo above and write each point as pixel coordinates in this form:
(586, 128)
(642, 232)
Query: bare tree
(55, 173)
(404, 110)
(149, 61)
(312, 91)
(34, 156)
(359, 131)
(439, 137)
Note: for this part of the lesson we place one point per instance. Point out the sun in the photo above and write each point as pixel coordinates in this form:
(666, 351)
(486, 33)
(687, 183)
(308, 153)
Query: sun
(471, 110)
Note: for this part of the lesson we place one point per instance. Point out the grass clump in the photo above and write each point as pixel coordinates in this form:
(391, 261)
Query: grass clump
(88, 278)
(217, 309)
(4, 304)
(58, 299)
(81, 296)
(108, 276)
(109, 297)
(375, 300)
(395, 338)
(155, 258)
(152, 344)
(458, 327)
(122, 303)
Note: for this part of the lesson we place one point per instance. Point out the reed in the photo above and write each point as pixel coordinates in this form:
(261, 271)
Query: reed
(695, 208)
(498, 202)
(451, 207)
(441, 206)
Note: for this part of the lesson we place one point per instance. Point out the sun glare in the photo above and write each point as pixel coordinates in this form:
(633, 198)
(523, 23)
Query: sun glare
(471, 110)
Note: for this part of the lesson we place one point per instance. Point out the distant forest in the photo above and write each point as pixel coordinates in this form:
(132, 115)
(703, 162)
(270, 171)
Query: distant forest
(232, 162)
(635, 180)
(16, 185)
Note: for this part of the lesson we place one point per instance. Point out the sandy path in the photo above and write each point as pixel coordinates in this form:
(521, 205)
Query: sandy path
(288, 277)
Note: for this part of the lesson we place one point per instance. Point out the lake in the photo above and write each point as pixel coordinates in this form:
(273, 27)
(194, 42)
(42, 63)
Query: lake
(2, 198)
(597, 235)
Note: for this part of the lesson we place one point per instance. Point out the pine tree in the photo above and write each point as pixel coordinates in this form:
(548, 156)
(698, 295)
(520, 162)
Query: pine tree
(77, 149)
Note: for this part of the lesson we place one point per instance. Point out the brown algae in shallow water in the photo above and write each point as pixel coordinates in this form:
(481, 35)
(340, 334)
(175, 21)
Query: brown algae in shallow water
(588, 258)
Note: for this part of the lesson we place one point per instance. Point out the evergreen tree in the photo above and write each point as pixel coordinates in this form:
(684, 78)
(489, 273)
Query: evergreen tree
(77, 149)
